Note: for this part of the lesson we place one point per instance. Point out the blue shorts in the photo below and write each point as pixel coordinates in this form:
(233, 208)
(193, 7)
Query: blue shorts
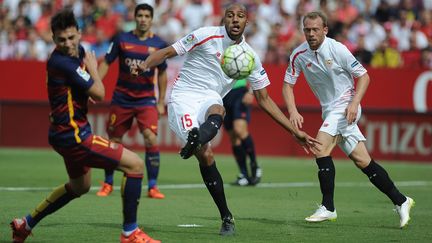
(235, 109)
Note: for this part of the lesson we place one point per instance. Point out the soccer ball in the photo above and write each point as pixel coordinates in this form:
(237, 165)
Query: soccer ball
(237, 62)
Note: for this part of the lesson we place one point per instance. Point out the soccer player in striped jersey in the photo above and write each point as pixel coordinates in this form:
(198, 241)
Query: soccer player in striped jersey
(237, 105)
(330, 69)
(73, 79)
(195, 108)
(134, 95)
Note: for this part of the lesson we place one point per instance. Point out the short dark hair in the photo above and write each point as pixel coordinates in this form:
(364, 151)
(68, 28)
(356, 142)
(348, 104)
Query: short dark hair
(63, 20)
(144, 6)
(314, 15)
(236, 4)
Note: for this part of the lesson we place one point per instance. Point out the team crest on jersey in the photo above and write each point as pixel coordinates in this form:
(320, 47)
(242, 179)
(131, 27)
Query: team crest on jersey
(329, 62)
(83, 74)
(189, 39)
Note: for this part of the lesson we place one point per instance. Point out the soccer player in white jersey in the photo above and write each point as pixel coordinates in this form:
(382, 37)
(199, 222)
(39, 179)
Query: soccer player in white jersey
(330, 70)
(195, 108)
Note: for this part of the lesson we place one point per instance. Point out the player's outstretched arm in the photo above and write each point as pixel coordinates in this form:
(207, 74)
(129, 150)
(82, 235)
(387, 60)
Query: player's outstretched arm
(307, 142)
(294, 116)
(157, 58)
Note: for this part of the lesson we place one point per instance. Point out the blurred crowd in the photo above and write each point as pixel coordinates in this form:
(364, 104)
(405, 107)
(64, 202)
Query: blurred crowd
(380, 33)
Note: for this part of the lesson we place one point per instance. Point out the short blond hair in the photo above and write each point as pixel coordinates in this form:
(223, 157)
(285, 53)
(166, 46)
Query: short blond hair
(314, 15)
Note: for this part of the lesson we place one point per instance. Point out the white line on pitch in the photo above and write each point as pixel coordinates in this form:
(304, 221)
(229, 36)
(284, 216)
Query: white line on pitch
(261, 185)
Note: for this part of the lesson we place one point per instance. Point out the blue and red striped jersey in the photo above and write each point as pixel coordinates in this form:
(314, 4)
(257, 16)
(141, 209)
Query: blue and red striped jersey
(134, 90)
(67, 85)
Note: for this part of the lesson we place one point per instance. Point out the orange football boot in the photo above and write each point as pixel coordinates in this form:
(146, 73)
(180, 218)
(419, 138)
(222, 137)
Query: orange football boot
(19, 231)
(155, 193)
(105, 190)
(138, 236)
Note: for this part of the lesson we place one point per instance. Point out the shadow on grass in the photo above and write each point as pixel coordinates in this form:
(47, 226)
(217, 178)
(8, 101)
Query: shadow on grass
(252, 219)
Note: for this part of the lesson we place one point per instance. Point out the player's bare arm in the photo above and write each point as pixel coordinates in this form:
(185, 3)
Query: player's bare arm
(162, 84)
(307, 142)
(158, 57)
(103, 69)
(97, 90)
(294, 116)
(248, 98)
(352, 108)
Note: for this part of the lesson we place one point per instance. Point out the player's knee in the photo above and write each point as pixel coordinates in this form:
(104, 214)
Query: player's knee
(137, 165)
(150, 138)
(361, 164)
(79, 190)
(216, 109)
(321, 154)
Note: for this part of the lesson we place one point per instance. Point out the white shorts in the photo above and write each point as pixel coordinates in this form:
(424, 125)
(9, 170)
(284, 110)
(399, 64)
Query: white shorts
(188, 110)
(335, 123)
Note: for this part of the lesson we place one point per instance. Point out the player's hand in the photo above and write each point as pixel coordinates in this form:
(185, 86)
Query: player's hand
(308, 143)
(134, 71)
(351, 112)
(91, 100)
(143, 67)
(248, 98)
(296, 119)
(90, 61)
(160, 106)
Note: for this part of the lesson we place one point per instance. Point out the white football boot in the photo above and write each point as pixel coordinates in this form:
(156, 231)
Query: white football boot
(404, 211)
(322, 214)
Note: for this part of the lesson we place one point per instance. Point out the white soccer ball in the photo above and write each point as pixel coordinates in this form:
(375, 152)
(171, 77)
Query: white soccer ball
(237, 62)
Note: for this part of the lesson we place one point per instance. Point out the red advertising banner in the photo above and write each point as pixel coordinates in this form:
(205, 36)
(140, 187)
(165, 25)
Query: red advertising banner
(390, 89)
(390, 135)
(397, 113)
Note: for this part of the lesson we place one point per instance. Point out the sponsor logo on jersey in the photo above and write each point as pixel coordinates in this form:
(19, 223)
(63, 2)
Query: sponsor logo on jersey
(355, 63)
(189, 39)
(83, 74)
(133, 65)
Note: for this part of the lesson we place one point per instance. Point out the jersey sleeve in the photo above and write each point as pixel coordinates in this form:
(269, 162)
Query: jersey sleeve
(293, 70)
(188, 42)
(258, 79)
(113, 50)
(77, 75)
(349, 62)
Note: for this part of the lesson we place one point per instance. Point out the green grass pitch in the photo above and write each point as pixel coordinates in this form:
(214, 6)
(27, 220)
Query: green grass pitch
(274, 211)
